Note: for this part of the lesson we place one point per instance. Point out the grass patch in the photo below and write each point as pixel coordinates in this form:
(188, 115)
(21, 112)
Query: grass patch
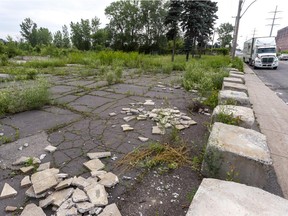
(25, 96)
(228, 119)
(157, 154)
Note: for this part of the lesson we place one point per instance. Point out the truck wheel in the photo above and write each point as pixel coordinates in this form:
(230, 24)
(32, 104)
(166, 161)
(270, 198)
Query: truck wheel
(274, 68)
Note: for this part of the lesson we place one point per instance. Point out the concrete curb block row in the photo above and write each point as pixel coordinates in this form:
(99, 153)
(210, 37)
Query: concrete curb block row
(235, 153)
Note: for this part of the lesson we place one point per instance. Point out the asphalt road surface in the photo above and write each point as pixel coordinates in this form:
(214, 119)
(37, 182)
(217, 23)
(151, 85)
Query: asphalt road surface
(276, 80)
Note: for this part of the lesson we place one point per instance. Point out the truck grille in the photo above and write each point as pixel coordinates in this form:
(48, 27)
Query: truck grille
(267, 60)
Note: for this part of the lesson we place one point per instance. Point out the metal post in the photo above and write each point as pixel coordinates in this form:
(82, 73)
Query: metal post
(236, 29)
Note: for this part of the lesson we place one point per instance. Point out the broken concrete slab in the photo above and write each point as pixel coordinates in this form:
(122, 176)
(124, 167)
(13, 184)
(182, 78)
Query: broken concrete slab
(20, 161)
(226, 198)
(10, 208)
(26, 169)
(97, 173)
(129, 118)
(149, 103)
(241, 152)
(84, 207)
(97, 194)
(143, 139)
(158, 130)
(95, 155)
(110, 210)
(64, 184)
(71, 212)
(26, 182)
(30, 193)
(79, 196)
(243, 115)
(227, 97)
(108, 179)
(94, 164)
(61, 196)
(50, 148)
(32, 210)
(8, 191)
(80, 182)
(43, 166)
(126, 127)
(46, 202)
(233, 80)
(44, 180)
(234, 87)
(64, 208)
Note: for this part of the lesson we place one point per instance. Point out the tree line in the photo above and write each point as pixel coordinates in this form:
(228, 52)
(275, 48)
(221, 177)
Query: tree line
(154, 26)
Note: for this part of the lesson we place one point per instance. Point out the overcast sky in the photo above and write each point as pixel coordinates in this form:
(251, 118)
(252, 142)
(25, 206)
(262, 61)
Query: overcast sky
(53, 14)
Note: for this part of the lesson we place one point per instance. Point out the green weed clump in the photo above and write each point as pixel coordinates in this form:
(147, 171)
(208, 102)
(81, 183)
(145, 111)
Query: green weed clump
(237, 63)
(228, 119)
(27, 96)
(46, 63)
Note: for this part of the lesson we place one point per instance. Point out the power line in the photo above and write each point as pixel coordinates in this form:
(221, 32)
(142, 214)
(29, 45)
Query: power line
(273, 19)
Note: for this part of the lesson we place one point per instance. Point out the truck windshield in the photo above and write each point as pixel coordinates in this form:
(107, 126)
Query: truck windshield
(266, 50)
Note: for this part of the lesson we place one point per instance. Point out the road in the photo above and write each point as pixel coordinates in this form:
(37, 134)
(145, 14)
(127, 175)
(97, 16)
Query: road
(276, 80)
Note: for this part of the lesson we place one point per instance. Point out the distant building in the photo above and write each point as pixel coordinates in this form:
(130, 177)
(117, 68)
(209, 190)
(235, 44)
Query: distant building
(282, 39)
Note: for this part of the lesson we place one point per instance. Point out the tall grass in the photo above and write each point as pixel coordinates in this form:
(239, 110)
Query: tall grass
(25, 96)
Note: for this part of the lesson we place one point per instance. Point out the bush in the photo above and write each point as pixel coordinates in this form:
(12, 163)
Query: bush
(237, 63)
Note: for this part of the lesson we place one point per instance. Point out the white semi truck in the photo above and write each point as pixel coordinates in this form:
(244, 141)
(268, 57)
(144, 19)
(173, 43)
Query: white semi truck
(260, 52)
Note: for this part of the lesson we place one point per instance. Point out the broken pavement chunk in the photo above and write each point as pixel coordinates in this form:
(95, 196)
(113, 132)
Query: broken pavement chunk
(32, 210)
(60, 196)
(94, 164)
(64, 184)
(143, 139)
(97, 173)
(79, 196)
(109, 179)
(149, 103)
(30, 193)
(129, 118)
(10, 208)
(112, 114)
(44, 180)
(97, 194)
(109, 210)
(50, 148)
(127, 127)
(84, 207)
(157, 130)
(95, 155)
(26, 169)
(25, 182)
(80, 182)
(43, 166)
(7, 191)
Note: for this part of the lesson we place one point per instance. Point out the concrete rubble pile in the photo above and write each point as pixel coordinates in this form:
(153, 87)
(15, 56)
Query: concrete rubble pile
(163, 117)
(66, 195)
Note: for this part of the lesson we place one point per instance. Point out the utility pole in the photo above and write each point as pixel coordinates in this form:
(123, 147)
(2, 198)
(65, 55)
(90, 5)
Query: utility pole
(254, 31)
(237, 22)
(273, 19)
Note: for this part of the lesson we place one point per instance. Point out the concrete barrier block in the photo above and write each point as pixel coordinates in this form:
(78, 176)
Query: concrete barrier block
(238, 98)
(239, 154)
(215, 197)
(233, 80)
(234, 87)
(237, 75)
(243, 115)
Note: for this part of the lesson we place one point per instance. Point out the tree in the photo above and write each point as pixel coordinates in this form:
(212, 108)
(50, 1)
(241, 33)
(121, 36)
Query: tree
(153, 14)
(197, 22)
(100, 38)
(44, 36)
(58, 39)
(124, 24)
(172, 22)
(29, 31)
(65, 37)
(81, 34)
(225, 34)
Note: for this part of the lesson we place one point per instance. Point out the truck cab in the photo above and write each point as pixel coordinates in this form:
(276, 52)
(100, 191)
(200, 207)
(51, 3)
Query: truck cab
(261, 52)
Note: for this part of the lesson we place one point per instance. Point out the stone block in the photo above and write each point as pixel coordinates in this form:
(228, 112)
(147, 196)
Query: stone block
(216, 197)
(108, 179)
(243, 115)
(238, 154)
(239, 98)
(233, 80)
(234, 87)
(237, 75)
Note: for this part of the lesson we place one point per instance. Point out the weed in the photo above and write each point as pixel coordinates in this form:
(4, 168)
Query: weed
(213, 161)
(29, 162)
(230, 101)
(232, 174)
(110, 78)
(212, 100)
(228, 118)
(190, 195)
(156, 154)
(4, 139)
